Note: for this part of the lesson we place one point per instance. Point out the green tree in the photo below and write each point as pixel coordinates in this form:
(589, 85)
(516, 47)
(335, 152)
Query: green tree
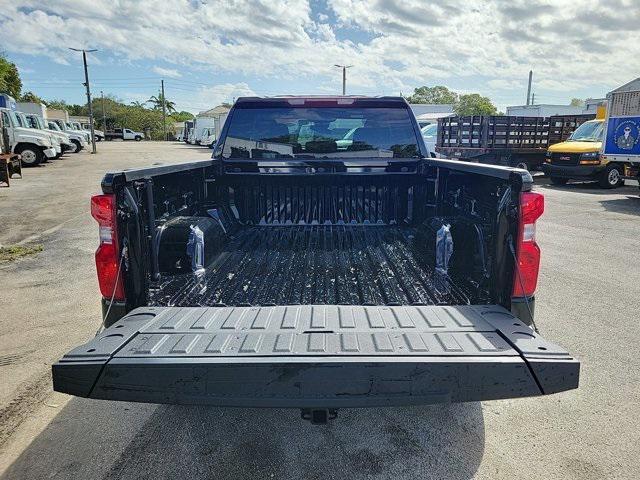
(158, 100)
(181, 116)
(9, 77)
(474, 104)
(31, 97)
(576, 102)
(57, 104)
(433, 95)
(137, 104)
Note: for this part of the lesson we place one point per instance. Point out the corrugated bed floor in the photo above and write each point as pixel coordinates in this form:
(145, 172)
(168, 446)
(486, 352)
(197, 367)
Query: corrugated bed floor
(289, 265)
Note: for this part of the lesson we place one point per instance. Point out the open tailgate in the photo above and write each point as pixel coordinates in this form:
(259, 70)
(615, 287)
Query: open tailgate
(316, 356)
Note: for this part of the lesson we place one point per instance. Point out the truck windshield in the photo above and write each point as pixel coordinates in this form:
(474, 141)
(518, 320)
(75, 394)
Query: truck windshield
(320, 132)
(588, 132)
(21, 121)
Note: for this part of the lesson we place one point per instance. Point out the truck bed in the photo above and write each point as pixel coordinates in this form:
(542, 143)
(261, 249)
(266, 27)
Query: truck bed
(322, 264)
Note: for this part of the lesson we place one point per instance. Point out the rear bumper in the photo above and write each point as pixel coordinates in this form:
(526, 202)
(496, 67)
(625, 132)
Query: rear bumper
(255, 357)
(573, 171)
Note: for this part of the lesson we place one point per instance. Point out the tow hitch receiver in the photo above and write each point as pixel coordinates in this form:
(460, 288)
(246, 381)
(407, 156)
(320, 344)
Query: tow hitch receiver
(319, 416)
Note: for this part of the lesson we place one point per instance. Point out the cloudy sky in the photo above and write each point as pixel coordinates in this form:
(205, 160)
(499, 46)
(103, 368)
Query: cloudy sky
(210, 51)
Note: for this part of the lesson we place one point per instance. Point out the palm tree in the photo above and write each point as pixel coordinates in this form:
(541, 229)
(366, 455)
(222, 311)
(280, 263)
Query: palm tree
(138, 104)
(157, 101)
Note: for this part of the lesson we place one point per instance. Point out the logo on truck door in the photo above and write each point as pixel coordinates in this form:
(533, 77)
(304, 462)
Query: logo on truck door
(623, 136)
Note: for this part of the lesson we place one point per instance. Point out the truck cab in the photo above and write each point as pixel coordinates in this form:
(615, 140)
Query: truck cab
(578, 158)
(99, 133)
(78, 139)
(33, 146)
(35, 121)
(208, 137)
(55, 140)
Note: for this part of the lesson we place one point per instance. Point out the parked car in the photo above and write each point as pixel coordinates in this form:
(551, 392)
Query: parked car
(33, 146)
(290, 272)
(123, 134)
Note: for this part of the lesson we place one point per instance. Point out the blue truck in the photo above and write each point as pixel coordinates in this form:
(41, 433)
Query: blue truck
(622, 129)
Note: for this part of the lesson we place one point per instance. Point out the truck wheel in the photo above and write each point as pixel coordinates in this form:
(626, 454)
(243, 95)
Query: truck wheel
(611, 177)
(138, 138)
(76, 146)
(559, 181)
(522, 165)
(31, 156)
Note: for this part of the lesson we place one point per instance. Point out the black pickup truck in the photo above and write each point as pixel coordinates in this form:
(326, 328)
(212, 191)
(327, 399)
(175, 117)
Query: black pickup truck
(319, 260)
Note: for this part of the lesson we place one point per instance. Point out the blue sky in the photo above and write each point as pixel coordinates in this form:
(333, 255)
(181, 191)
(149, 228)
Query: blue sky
(208, 51)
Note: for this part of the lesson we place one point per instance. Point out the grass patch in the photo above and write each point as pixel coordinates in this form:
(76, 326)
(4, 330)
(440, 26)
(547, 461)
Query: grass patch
(14, 252)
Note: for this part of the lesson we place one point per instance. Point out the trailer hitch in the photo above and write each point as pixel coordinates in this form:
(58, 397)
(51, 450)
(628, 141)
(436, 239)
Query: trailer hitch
(319, 416)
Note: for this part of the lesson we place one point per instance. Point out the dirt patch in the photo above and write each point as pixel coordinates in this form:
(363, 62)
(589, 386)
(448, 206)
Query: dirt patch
(13, 252)
(24, 403)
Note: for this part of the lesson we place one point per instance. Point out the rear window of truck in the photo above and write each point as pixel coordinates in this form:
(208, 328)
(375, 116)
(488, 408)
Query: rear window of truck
(320, 132)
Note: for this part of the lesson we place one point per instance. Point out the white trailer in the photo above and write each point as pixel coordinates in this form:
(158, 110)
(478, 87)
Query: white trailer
(202, 124)
(39, 109)
(622, 128)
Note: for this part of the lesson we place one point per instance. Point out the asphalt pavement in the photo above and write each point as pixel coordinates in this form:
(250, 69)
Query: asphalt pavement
(587, 301)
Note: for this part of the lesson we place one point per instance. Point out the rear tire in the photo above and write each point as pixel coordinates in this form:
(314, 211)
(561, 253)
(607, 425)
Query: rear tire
(523, 165)
(76, 146)
(559, 181)
(611, 177)
(31, 156)
(138, 138)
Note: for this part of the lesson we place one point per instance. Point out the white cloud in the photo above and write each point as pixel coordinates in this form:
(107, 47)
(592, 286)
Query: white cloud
(209, 97)
(166, 72)
(399, 44)
(505, 84)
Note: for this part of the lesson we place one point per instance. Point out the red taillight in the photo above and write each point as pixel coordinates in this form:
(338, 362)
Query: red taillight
(527, 250)
(103, 209)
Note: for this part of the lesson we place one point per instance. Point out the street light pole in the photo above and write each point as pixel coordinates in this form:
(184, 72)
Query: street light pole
(344, 77)
(104, 115)
(164, 112)
(86, 83)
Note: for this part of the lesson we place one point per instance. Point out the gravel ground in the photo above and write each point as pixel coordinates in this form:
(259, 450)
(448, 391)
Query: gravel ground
(587, 301)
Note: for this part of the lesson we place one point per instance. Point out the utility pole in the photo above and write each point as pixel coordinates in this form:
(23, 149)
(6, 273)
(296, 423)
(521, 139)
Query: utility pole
(344, 76)
(86, 84)
(164, 112)
(533, 99)
(529, 87)
(104, 115)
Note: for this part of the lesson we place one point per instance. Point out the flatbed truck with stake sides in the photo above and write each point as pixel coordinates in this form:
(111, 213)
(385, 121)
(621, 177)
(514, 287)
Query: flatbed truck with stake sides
(312, 267)
(510, 141)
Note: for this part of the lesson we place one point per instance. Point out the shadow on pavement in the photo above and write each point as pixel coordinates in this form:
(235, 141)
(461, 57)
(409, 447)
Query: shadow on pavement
(587, 187)
(629, 205)
(90, 439)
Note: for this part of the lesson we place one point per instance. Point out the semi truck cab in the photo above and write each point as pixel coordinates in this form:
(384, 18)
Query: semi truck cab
(578, 158)
(33, 146)
(79, 139)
